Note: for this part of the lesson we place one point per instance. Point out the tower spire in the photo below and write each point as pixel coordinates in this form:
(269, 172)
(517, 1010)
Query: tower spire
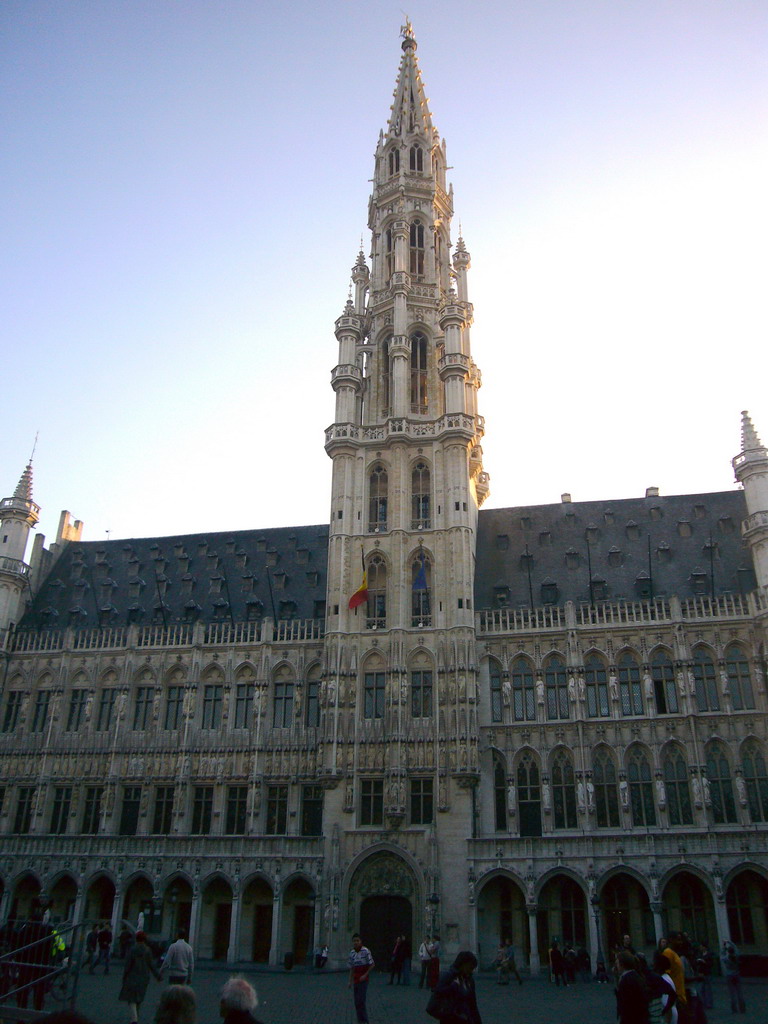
(751, 470)
(410, 110)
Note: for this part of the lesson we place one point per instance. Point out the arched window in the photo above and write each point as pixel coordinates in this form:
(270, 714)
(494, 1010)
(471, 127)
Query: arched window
(421, 693)
(718, 778)
(606, 790)
(678, 792)
(421, 518)
(529, 796)
(386, 379)
(374, 690)
(416, 158)
(416, 263)
(707, 698)
(497, 703)
(377, 593)
(421, 591)
(573, 913)
(419, 396)
(663, 675)
(394, 162)
(377, 502)
(283, 698)
(640, 790)
(756, 781)
(557, 688)
(499, 794)
(389, 241)
(739, 678)
(563, 791)
(312, 709)
(630, 691)
(597, 687)
(523, 694)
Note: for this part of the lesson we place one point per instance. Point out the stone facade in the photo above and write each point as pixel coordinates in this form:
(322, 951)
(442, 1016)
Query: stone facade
(534, 722)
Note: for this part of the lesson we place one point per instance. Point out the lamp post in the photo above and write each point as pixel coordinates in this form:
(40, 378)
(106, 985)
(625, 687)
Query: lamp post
(595, 901)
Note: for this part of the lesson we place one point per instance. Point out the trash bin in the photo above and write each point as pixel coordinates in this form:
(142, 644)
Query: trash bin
(288, 961)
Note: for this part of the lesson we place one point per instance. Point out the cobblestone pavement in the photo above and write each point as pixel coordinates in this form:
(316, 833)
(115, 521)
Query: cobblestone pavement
(306, 997)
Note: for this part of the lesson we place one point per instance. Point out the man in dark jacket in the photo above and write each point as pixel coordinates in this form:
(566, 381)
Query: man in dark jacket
(33, 958)
(238, 1002)
(631, 991)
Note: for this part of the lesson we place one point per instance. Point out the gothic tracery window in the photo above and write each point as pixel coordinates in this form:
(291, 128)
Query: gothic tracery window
(640, 789)
(377, 593)
(378, 487)
(523, 693)
(556, 688)
(606, 790)
(756, 782)
(563, 791)
(416, 158)
(421, 497)
(630, 691)
(739, 678)
(421, 591)
(529, 796)
(597, 687)
(663, 675)
(394, 162)
(419, 395)
(499, 794)
(678, 790)
(720, 785)
(386, 378)
(705, 679)
(497, 703)
(416, 250)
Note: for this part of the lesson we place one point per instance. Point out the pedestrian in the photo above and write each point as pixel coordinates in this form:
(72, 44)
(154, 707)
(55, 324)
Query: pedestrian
(91, 947)
(661, 992)
(433, 968)
(703, 967)
(501, 964)
(104, 940)
(360, 964)
(454, 1000)
(583, 964)
(124, 942)
(668, 1004)
(677, 974)
(631, 992)
(601, 974)
(557, 964)
(692, 982)
(33, 958)
(569, 958)
(406, 951)
(396, 962)
(321, 958)
(139, 965)
(424, 957)
(238, 1002)
(177, 1006)
(511, 962)
(179, 960)
(729, 961)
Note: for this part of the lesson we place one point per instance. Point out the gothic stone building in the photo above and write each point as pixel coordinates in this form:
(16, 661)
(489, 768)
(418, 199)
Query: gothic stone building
(541, 721)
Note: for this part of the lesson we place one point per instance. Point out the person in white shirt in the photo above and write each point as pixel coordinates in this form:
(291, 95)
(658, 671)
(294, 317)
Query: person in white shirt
(179, 960)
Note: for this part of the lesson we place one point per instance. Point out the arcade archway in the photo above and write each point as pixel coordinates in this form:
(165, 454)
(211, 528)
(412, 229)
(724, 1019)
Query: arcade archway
(382, 896)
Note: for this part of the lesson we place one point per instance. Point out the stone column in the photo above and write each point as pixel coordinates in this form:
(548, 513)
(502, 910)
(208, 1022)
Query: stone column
(658, 923)
(233, 950)
(5, 900)
(77, 914)
(721, 920)
(277, 911)
(117, 905)
(533, 935)
(194, 920)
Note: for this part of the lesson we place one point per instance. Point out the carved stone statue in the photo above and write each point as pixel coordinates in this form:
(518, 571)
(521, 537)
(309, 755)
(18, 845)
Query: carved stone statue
(572, 690)
(546, 798)
(540, 691)
(741, 789)
(590, 795)
(696, 787)
(582, 690)
(661, 793)
(511, 798)
(581, 794)
(624, 791)
(706, 790)
(613, 686)
(648, 686)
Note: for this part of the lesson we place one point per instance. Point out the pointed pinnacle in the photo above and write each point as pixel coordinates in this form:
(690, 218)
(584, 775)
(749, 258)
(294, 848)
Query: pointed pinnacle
(749, 439)
(24, 486)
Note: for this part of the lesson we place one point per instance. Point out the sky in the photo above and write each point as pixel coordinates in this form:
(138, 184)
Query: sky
(185, 186)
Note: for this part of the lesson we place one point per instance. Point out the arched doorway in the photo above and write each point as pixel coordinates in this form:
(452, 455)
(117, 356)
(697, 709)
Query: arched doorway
(176, 907)
(747, 903)
(381, 898)
(26, 898)
(256, 926)
(562, 915)
(690, 909)
(139, 899)
(215, 920)
(502, 917)
(62, 899)
(626, 911)
(298, 919)
(99, 900)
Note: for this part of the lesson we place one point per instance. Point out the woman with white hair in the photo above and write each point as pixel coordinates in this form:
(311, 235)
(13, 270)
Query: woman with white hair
(238, 1001)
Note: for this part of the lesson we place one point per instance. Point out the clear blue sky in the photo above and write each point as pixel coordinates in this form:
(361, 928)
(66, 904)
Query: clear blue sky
(185, 185)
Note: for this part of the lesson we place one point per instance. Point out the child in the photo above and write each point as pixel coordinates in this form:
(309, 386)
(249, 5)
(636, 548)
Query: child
(601, 975)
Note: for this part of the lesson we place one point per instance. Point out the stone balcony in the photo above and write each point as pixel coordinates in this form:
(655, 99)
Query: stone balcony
(14, 566)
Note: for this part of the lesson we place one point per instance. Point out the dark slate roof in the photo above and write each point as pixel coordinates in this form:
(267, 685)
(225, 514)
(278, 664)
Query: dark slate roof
(536, 554)
(200, 577)
(542, 553)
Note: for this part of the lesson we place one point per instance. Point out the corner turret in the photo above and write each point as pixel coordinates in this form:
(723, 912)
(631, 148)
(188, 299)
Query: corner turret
(18, 515)
(751, 469)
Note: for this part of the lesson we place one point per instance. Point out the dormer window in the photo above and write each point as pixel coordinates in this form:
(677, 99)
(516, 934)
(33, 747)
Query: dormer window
(549, 592)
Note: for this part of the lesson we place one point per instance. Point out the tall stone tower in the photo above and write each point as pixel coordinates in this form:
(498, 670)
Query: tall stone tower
(18, 515)
(407, 483)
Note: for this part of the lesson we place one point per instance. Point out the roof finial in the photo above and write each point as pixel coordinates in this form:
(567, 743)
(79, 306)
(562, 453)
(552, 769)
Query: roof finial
(749, 438)
(34, 447)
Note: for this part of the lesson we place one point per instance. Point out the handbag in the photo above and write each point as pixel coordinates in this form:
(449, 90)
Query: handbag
(441, 1005)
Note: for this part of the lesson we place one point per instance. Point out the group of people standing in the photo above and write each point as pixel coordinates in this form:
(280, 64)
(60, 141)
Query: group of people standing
(677, 988)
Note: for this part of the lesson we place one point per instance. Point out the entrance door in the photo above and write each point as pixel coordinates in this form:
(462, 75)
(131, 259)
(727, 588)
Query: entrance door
(382, 919)
(302, 932)
(262, 932)
(221, 930)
